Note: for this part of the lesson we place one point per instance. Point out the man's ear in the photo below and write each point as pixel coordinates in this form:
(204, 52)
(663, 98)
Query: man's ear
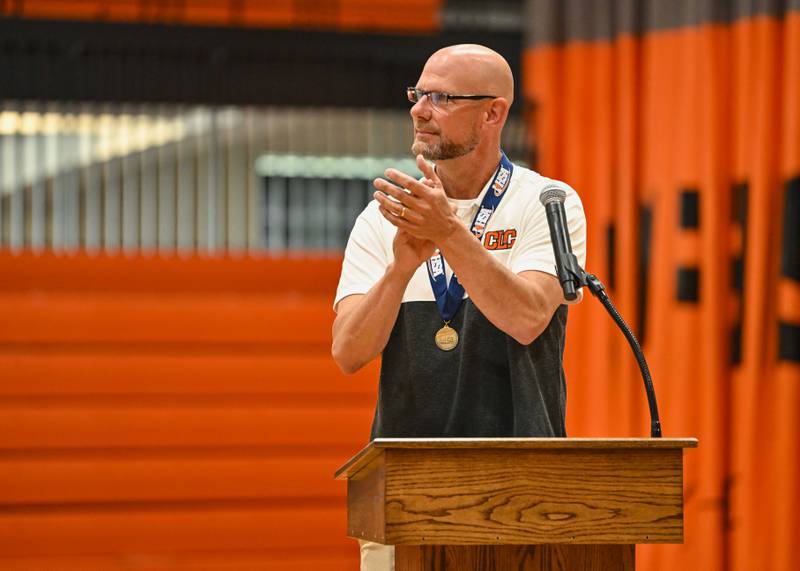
(497, 111)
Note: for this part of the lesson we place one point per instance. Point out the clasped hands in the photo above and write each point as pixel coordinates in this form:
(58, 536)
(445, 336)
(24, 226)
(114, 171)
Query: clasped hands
(417, 207)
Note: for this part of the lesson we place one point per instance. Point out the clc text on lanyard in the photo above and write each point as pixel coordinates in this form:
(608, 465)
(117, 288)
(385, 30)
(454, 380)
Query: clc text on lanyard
(448, 297)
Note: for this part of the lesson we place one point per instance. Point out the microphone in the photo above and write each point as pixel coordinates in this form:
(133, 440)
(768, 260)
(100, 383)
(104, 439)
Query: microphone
(569, 272)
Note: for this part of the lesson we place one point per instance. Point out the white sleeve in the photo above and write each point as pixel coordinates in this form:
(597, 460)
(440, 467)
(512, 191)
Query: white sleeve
(365, 257)
(533, 249)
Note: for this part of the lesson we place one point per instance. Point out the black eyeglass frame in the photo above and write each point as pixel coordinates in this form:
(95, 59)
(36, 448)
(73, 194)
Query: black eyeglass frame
(414, 94)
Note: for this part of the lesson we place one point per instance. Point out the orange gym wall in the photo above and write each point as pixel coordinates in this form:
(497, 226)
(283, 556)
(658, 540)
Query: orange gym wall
(684, 143)
(366, 15)
(174, 413)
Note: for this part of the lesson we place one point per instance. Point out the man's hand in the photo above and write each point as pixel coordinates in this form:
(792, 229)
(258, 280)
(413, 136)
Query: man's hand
(424, 211)
(410, 251)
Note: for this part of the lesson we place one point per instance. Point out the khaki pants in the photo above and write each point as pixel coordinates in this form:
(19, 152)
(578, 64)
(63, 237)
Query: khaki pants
(376, 557)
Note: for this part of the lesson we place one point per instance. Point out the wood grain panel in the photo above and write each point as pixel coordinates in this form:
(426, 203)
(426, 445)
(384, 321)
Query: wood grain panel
(160, 318)
(530, 443)
(220, 475)
(518, 557)
(376, 447)
(366, 498)
(81, 426)
(536, 496)
(128, 530)
(40, 372)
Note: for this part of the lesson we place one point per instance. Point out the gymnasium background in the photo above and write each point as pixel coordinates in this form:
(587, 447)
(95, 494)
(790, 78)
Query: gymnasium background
(177, 181)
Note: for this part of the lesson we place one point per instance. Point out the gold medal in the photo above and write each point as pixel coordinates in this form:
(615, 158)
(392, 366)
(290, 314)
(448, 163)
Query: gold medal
(446, 338)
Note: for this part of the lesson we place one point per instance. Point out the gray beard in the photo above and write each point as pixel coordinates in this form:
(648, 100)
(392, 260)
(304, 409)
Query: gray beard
(445, 149)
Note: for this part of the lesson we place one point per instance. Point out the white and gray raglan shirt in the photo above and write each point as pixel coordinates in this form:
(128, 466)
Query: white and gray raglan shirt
(489, 385)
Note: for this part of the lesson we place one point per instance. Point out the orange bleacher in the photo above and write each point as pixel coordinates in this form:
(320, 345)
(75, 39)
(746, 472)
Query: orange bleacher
(414, 16)
(170, 413)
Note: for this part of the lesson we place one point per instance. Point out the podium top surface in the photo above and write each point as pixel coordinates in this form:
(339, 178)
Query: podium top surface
(377, 446)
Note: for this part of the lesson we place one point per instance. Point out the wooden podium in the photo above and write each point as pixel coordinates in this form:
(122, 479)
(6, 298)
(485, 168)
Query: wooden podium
(472, 504)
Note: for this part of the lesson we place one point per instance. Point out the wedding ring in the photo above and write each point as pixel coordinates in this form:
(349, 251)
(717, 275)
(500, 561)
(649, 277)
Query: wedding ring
(402, 212)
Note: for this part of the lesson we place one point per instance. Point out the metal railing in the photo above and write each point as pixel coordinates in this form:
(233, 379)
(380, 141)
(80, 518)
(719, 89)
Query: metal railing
(178, 179)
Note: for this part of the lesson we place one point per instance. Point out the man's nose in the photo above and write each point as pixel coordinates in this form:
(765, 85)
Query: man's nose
(422, 108)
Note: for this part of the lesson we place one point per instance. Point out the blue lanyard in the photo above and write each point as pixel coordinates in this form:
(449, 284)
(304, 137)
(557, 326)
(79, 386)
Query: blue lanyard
(448, 298)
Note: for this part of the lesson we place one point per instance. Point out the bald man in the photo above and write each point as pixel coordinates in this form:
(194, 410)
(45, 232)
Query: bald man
(452, 277)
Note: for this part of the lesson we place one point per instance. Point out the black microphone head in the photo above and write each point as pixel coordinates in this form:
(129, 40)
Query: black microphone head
(552, 193)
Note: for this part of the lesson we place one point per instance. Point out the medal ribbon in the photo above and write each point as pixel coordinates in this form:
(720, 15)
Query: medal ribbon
(448, 297)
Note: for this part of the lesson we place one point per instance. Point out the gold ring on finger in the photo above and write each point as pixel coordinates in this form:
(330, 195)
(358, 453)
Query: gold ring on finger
(403, 212)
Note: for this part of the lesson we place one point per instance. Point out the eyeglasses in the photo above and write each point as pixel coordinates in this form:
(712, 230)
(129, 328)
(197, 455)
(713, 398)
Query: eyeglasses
(439, 99)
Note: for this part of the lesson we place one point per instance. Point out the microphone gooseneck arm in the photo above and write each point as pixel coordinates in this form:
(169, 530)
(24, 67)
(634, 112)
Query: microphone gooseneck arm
(599, 291)
(572, 277)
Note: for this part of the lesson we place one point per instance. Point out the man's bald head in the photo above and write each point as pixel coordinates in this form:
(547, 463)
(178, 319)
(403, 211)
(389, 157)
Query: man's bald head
(474, 69)
(462, 126)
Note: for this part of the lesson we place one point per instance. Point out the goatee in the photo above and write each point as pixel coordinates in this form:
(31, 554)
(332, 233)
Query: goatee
(445, 149)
